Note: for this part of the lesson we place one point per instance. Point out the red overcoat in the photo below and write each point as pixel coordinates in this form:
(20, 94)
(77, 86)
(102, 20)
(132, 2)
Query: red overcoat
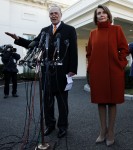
(106, 53)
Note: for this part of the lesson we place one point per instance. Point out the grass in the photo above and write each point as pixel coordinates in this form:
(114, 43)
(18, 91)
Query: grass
(129, 91)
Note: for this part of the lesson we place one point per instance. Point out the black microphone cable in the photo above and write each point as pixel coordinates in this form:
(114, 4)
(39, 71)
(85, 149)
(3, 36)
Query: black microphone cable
(10, 145)
(26, 141)
(66, 42)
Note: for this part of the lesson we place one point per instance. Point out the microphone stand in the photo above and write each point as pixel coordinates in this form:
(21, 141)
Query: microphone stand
(43, 145)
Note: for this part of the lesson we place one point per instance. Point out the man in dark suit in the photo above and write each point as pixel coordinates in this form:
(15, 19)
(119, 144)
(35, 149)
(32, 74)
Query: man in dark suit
(57, 74)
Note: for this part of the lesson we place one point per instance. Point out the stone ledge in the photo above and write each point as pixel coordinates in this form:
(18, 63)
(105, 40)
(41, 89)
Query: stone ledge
(128, 97)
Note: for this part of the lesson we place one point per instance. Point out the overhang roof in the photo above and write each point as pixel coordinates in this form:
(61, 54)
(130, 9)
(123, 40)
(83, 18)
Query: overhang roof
(80, 16)
(62, 3)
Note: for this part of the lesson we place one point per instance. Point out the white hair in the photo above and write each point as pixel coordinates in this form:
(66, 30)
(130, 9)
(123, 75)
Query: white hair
(53, 6)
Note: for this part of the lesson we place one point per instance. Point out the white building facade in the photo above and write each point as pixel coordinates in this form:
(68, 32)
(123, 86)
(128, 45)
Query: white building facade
(27, 17)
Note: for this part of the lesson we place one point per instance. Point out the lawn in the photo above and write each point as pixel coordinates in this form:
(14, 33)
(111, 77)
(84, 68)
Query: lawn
(129, 91)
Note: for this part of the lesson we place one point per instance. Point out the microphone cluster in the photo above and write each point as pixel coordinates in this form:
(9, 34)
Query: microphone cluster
(37, 49)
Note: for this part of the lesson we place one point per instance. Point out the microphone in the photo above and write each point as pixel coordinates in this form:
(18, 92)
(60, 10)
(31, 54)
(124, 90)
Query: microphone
(47, 41)
(66, 42)
(58, 36)
(33, 44)
(21, 62)
(31, 50)
(46, 45)
(41, 39)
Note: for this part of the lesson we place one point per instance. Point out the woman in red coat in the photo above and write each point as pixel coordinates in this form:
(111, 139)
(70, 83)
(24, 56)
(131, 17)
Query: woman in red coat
(107, 51)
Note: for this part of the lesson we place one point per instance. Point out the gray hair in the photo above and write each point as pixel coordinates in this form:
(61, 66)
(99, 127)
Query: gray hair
(53, 6)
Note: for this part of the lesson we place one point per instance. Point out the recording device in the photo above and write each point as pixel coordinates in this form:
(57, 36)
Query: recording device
(7, 48)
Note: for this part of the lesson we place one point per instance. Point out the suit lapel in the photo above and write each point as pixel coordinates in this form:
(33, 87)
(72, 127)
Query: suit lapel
(60, 27)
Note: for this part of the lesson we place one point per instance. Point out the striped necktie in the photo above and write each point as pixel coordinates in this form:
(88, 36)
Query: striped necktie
(54, 29)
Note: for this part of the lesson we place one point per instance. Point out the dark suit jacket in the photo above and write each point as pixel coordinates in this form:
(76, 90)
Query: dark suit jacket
(9, 60)
(131, 52)
(69, 57)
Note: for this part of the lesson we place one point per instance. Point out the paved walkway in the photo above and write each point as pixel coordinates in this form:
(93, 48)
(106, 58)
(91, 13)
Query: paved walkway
(83, 122)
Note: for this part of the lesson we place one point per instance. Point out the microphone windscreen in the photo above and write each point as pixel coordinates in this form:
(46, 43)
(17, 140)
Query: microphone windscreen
(43, 33)
(33, 44)
(58, 35)
(66, 42)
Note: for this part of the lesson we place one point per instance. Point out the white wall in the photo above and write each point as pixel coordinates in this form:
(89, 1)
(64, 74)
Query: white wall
(20, 19)
(81, 58)
(4, 19)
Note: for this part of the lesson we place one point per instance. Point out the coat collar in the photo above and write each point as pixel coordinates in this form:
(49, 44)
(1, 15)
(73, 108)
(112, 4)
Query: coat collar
(106, 24)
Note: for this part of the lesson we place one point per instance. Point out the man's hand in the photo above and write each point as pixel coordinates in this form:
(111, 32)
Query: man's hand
(14, 36)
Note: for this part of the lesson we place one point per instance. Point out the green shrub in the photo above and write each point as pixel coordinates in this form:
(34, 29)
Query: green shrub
(28, 74)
